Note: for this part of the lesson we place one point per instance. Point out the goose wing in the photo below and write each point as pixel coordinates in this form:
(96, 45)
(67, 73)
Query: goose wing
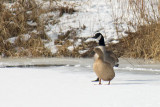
(112, 55)
(109, 56)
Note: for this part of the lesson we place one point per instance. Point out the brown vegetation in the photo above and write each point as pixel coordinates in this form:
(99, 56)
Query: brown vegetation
(145, 41)
(65, 9)
(22, 18)
(143, 32)
(69, 39)
(14, 22)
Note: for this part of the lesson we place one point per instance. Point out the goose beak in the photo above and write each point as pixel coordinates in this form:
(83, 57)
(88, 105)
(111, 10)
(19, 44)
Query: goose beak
(89, 39)
(94, 37)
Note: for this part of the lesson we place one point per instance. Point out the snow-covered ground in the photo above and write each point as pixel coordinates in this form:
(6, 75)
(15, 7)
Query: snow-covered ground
(99, 16)
(91, 16)
(67, 83)
(94, 15)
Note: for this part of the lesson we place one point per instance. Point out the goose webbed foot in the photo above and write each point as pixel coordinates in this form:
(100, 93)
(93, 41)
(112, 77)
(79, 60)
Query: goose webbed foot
(96, 80)
(100, 81)
(109, 82)
(116, 65)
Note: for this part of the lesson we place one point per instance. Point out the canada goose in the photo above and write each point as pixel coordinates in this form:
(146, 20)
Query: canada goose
(103, 69)
(109, 56)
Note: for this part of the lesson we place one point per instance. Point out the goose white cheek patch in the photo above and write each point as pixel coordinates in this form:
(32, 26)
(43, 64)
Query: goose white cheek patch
(99, 37)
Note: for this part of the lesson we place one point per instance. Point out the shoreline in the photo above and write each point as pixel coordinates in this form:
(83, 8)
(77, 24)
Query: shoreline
(125, 64)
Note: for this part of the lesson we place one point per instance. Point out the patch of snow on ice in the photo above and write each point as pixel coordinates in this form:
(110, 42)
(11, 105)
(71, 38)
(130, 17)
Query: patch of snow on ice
(78, 65)
(88, 66)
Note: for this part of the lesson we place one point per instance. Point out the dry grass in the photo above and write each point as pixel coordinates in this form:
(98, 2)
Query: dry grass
(24, 18)
(65, 9)
(143, 38)
(140, 44)
(14, 22)
(69, 39)
(143, 31)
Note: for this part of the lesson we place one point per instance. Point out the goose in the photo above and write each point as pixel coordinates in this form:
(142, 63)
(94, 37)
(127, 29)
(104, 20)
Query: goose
(109, 56)
(102, 68)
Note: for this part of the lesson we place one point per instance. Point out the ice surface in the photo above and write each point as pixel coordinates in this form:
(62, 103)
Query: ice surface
(69, 85)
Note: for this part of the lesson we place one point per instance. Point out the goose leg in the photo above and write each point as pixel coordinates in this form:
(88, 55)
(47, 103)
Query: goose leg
(99, 81)
(96, 80)
(109, 82)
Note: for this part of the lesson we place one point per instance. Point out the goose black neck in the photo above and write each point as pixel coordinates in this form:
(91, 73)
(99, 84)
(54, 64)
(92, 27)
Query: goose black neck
(101, 42)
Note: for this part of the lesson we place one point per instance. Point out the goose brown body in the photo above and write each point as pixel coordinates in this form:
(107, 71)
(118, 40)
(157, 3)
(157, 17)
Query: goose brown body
(109, 56)
(103, 69)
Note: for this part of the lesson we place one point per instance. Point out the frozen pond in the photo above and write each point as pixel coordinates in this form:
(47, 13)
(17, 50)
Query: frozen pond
(67, 83)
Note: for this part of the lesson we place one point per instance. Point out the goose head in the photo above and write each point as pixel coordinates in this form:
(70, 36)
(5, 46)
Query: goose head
(100, 39)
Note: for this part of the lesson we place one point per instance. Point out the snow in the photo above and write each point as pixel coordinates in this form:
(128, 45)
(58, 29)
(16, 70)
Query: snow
(12, 40)
(26, 37)
(31, 23)
(66, 82)
(95, 15)
(51, 46)
(70, 48)
(91, 40)
(83, 51)
(52, 36)
(70, 85)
